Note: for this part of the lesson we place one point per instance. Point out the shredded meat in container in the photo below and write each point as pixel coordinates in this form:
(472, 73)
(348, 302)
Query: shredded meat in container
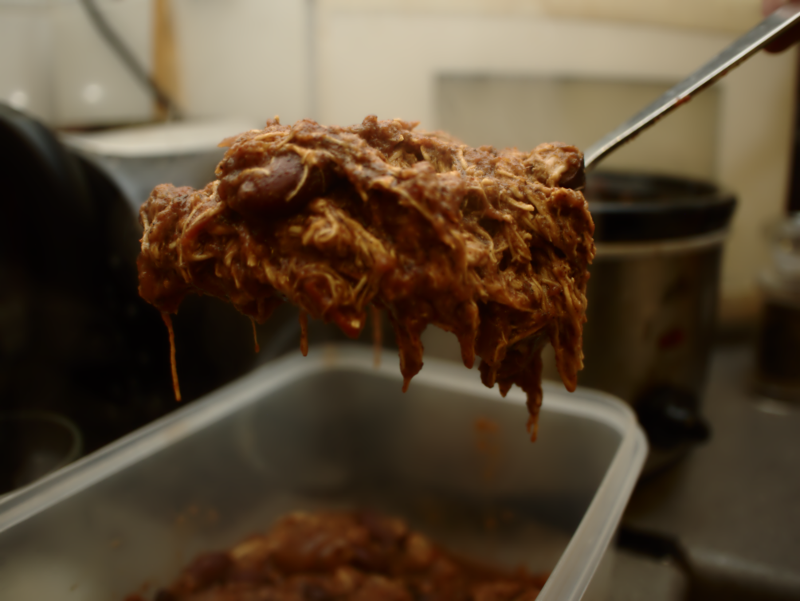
(491, 245)
(329, 556)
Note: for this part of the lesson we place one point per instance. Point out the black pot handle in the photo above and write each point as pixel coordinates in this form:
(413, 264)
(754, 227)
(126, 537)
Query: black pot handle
(671, 417)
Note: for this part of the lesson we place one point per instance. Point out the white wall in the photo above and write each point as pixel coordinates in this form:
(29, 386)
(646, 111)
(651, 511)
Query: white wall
(244, 58)
(90, 83)
(25, 59)
(237, 58)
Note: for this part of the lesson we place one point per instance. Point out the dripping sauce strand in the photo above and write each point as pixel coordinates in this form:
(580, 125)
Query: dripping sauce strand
(377, 340)
(168, 321)
(377, 334)
(303, 333)
(255, 336)
(534, 402)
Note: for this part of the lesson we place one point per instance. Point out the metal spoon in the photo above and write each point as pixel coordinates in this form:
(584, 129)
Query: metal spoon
(754, 40)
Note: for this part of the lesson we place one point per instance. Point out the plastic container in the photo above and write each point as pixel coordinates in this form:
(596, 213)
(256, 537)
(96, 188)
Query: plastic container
(331, 430)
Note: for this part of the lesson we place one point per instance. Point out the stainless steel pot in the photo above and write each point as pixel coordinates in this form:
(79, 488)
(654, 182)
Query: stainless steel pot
(652, 301)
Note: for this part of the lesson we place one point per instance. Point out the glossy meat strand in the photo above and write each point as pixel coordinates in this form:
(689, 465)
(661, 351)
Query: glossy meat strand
(491, 245)
(342, 556)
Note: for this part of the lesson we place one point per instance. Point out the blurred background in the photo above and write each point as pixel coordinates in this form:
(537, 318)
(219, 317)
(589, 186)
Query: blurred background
(694, 310)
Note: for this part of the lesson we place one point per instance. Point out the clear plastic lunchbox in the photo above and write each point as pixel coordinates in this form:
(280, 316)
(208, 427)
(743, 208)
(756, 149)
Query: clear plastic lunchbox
(331, 430)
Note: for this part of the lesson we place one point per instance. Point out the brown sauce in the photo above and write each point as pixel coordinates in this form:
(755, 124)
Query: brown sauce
(491, 245)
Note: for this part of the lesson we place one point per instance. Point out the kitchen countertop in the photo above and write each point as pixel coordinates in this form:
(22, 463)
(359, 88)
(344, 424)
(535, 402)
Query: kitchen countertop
(729, 512)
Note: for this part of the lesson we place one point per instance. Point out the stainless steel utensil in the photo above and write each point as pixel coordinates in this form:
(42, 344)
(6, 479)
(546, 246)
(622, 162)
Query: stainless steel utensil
(754, 40)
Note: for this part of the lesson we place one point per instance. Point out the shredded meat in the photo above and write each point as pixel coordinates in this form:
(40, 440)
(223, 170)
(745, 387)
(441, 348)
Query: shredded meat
(491, 245)
(338, 556)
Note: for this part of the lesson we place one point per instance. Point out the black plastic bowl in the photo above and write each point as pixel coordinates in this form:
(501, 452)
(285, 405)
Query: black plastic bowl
(631, 207)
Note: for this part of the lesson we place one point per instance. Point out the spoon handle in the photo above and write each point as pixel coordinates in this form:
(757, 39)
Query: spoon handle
(754, 40)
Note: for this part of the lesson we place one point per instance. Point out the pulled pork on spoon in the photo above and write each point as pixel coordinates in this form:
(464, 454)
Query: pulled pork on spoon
(491, 245)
